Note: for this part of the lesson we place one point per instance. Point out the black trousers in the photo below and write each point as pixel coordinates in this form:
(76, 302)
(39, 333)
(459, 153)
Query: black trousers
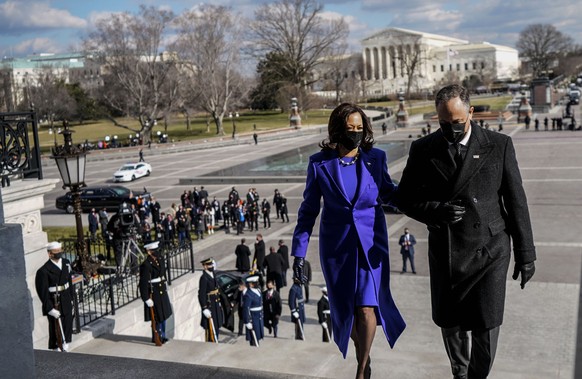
(470, 360)
(66, 323)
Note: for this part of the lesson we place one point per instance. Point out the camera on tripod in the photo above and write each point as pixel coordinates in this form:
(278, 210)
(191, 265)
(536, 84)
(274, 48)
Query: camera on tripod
(127, 220)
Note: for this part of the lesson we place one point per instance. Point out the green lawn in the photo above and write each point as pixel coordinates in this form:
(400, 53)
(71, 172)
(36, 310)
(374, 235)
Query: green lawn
(56, 233)
(97, 130)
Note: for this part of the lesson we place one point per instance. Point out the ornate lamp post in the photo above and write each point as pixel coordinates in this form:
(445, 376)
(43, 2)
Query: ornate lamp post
(233, 123)
(70, 161)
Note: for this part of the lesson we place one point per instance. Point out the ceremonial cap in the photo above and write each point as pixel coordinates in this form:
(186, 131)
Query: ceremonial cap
(54, 245)
(152, 245)
(207, 261)
(252, 278)
(324, 289)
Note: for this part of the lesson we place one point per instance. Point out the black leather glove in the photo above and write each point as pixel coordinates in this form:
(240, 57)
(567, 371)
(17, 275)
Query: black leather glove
(526, 270)
(298, 274)
(450, 212)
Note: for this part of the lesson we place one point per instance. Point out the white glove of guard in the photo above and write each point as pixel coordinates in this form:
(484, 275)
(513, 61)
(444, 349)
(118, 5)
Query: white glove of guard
(149, 303)
(207, 313)
(296, 315)
(249, 326)
(55, 313)
(324, 325)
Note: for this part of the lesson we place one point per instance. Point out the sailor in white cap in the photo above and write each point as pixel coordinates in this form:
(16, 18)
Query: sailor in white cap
(324, 316)
(253, 311)
(153, 291)
(55, 290)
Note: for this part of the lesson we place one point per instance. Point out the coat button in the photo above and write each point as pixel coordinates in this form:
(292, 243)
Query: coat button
(474, 200)
(476, 225)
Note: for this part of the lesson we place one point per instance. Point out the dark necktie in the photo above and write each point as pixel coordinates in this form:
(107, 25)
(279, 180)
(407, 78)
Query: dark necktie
(458, 155)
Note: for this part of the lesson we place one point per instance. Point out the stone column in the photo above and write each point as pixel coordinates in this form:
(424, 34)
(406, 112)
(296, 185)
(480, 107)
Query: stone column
(22, 202)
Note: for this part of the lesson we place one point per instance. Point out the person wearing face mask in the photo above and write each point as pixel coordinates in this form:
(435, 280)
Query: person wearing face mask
(210, 302)
(352, 178)
(54, 287)
(464, 183)
(153, 290)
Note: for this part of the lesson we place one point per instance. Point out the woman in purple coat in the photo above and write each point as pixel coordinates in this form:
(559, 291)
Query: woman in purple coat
(352, 177)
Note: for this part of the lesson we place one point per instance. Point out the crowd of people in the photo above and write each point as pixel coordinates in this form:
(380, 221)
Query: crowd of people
(191, 219)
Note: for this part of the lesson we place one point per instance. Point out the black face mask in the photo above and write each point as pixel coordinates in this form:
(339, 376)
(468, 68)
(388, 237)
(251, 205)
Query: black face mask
(454, 133)
(211, 269)
(351, 140)
(57, 256)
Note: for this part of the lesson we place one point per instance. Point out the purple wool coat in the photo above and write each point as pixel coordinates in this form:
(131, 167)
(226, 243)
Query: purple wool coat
(342, 225)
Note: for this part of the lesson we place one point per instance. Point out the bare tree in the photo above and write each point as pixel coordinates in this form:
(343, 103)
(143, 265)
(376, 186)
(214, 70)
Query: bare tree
(541, 44)
(209, 41)
(46, 92)
(135, 74)
(296, 30)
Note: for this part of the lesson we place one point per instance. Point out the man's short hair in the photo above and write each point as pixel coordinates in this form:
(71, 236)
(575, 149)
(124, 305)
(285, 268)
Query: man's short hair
(450, 92)
(243, 240)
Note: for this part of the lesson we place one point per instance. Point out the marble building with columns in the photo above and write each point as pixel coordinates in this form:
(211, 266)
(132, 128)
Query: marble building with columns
(389, 54)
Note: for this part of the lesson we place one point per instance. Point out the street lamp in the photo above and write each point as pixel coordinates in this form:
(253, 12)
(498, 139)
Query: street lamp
(70, 161)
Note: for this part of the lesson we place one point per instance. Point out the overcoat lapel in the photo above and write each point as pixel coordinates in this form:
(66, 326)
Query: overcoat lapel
(366, 163)
(478, 152)
(443, 160)
(331, 168)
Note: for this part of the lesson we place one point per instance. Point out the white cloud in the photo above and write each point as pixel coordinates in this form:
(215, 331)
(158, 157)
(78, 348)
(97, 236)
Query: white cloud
(37, 45)
(17, 17)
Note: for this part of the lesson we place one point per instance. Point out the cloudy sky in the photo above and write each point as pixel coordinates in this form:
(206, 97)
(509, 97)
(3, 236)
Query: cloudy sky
(53, 26)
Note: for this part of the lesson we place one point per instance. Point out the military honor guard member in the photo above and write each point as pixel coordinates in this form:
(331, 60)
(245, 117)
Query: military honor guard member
(154, 293)
(272, 308)
(253, 311)
(297, 306)
(324, 316)
(55, 290)
(209, 299)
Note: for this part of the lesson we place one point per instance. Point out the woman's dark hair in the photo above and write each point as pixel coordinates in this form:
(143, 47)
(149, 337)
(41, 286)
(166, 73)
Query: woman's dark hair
(337, 127)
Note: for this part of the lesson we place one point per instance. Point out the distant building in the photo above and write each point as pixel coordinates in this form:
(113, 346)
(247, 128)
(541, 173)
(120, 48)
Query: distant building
(393, 55)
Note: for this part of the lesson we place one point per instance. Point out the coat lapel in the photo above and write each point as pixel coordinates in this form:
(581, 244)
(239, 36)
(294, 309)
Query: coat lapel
(478, 152)
(331, 168)
(443, 160)
(366, 163)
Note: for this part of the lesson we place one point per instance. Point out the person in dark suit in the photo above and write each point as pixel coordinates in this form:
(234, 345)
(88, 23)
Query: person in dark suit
(283, 251)
(463, 182)
(153, 291)
(407, 242)
(54, 287)
(272, 308)
(210, 302)
(274, 266)
(243, 253)
(259, 258)
(93, 219)
(324, 317)
(352, 178)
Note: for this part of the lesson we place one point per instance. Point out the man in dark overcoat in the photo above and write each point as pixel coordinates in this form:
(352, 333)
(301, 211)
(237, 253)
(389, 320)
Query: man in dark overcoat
(274, 264)
(259, 257)
(272, 308)
(209, 299)
(54, 287)
(153, 290)
(283, 251)
(464, 183)
(243, 253)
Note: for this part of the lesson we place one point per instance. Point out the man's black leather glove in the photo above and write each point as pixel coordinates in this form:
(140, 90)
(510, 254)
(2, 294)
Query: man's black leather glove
(450, 212)
(526, 270)
(298, 274)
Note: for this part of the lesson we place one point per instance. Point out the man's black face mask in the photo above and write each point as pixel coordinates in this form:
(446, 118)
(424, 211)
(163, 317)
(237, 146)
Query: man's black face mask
(351, 140)
(453, 132)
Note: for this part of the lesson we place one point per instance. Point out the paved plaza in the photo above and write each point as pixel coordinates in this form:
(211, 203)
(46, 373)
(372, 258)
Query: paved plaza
(538, 337)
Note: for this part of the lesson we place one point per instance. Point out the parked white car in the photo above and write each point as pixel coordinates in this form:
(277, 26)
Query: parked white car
(131, 171)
